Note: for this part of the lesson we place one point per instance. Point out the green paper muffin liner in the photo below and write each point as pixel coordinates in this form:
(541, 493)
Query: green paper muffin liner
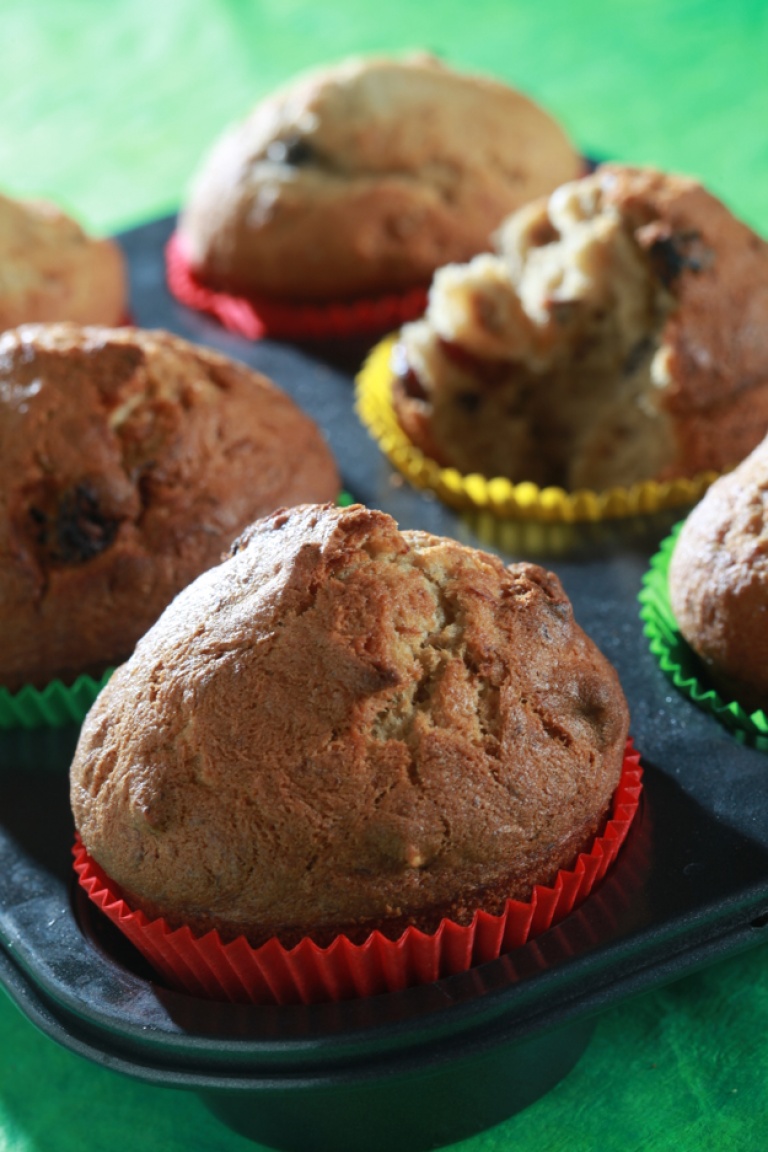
(678, 660)
(51, 707)
(498, 495)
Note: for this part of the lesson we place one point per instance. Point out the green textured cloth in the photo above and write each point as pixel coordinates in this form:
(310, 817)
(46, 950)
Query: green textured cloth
(107, 109)
(682, 1070)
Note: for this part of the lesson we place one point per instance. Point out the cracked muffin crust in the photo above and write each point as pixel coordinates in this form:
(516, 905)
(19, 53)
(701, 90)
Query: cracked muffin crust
(366, 177)
(618, 334)
(347, 727)
(129, 461)
(718, 581)
(51, 270)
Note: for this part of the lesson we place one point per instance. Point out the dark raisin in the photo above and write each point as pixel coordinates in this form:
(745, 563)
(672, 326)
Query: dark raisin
(80, 530)
(679, 252)
(667, 259)
(469, 402)
(69, 527)
(295, 152)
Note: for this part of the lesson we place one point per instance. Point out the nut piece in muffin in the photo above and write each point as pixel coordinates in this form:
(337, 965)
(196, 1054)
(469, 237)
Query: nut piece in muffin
(619, 334)
(51, 270)
(718, 581)
(346, 727)
(364, 178)
(129, 459)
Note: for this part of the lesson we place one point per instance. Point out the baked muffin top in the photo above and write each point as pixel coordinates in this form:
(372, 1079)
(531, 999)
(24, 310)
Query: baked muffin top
(129, 459)
(51, 270)
(365, 177)
(718, 581)
(345, 726)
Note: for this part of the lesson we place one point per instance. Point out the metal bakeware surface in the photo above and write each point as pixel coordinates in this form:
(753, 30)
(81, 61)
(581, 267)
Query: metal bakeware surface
(430, 1065)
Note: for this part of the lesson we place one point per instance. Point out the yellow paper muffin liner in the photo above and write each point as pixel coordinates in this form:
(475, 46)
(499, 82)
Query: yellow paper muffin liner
(498, 495)
(53, 706)
(678, 660)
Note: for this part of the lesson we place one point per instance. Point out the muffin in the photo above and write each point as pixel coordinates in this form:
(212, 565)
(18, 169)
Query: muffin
(363, 178)
(618, 334)
(129, 460)
(345, 727)
(51, 270)
(718, 582)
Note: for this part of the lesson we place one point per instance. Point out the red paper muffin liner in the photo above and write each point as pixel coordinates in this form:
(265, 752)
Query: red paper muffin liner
(256, 317)
(307, 974)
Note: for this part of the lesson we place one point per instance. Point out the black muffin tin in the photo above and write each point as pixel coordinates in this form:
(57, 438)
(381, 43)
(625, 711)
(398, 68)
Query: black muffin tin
(425, 1067)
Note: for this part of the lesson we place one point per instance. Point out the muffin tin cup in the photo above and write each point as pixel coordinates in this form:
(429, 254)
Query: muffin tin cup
(307, 974)
(54, 706)
(678, 660)
(256, 317)
(498, 495)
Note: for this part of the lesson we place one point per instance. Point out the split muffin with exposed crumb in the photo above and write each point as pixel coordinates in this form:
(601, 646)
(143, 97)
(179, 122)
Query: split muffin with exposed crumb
(618, 334)
(129, 459)
(345, 727)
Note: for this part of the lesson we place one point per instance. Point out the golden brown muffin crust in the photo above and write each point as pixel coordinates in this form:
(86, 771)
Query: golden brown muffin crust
(51, 270)
(365, 177)
(718, 581)
(345, 727)
(129, 460)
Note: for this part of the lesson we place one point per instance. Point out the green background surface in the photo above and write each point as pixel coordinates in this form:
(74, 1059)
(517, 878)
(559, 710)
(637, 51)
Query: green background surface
(107, 108)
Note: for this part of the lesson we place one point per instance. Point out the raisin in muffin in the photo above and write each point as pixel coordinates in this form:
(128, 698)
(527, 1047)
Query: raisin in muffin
(347, 727)
(718, 581)
(364, 178)
(128, 460)
(619, 333)
(51, 270)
